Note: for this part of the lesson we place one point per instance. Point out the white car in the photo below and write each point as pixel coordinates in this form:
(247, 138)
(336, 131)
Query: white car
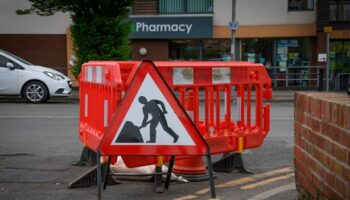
(34, 83)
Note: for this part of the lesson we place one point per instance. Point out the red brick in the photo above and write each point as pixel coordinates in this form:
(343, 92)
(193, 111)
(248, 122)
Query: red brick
(303, 144)
(298, 153)
(325, 129)
(346, 114)
(308, 174)
(307, 135)
(330, 147)
(330, 163)
(330, 194)
(300, 179)
(338, 197)
(316, 108)
(324, 160)
(308, 121)
(345, 138)
(346, 174)
(307, 106)
(297, 127)
(299, 166)
(340, 187)
(337, 168)
(326, 110)
(317, 154)
(335, 109)
(316, 125)
(330, 179)
(320, 171)
(316, 182)
(319, 141)
(335, 133)
(299, 116)
(340, 154)
(341, 122)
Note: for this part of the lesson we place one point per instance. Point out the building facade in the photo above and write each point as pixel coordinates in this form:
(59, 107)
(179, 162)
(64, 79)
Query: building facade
(287, 36)
(40, 40)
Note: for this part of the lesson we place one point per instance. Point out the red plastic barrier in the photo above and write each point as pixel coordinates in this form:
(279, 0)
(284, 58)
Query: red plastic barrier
(227, 99)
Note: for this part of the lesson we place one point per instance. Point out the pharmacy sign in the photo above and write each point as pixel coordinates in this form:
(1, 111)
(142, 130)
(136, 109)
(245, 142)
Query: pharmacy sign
(171, 27)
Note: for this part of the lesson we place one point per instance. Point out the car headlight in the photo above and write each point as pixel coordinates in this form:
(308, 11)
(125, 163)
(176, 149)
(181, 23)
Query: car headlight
(54, 76)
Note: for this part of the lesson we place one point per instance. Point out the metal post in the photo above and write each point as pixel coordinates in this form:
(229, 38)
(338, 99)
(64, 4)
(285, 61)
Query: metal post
(327, 63)
(320, 79)
(287, 76)
(233, 40)
(211, 176)
(170, 169)
(98, 179)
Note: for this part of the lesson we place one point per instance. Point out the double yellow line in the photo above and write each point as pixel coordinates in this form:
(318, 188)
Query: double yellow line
(288, 173)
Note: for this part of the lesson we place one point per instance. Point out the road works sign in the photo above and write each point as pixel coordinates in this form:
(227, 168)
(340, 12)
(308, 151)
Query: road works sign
(151, 121)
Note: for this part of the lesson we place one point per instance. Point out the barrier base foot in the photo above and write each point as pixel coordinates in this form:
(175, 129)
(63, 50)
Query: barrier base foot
(87, 157)
(89, 178)
(228, 163)
(195, 177)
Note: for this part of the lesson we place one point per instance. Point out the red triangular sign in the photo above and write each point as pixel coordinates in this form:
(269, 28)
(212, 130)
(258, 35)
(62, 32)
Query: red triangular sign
(151, 121)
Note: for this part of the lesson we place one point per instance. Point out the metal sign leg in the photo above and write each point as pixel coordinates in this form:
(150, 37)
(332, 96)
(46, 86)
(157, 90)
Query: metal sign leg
(211, 176)
(170, 170)
(106, 173)
(98, 179)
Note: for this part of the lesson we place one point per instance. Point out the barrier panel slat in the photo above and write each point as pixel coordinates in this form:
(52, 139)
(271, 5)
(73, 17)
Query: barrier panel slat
(221, 95)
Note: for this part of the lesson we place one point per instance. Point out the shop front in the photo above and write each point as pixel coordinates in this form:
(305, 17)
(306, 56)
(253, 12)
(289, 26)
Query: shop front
(286, 59)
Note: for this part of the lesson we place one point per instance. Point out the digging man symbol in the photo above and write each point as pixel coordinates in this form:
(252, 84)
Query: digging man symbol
(151, 107)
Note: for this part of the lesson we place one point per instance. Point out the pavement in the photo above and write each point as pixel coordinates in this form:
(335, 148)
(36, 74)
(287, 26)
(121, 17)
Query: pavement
(39, 143)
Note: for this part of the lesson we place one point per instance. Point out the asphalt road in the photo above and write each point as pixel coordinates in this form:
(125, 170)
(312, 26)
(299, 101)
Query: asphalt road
(39, 143)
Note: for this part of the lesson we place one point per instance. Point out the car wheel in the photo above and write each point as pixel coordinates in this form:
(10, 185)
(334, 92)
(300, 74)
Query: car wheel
(35, 92)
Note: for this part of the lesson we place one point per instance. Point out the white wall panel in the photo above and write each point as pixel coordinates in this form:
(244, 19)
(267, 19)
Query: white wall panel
(260, 12)
(11, 23)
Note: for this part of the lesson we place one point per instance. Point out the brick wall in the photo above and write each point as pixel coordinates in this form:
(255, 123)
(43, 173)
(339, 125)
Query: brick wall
(322, 145)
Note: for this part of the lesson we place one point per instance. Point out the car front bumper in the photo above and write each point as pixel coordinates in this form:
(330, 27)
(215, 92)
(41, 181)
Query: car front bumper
(62, 89)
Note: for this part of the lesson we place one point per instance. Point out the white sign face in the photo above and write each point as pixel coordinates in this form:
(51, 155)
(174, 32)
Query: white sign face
(146, 123)
(322, 57)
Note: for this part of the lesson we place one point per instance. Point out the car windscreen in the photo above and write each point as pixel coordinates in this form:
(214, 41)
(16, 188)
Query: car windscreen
(16, 57)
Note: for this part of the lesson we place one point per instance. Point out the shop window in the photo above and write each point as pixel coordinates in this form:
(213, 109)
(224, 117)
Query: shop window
(216, 50)
(258, 51)
(339, 10)
(184, 50)
(283, 58)
(300, 5)
(185, 6)
(200, 50)
(339, 55)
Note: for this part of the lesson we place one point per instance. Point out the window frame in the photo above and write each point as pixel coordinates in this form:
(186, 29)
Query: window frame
(302, 9)
(185, 8)
(339, 5)
(16, 65)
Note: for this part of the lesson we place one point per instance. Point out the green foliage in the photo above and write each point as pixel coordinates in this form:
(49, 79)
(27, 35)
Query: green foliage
(100, 30)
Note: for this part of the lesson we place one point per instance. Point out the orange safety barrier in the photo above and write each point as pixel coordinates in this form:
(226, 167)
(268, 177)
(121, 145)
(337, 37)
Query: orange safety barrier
(225, 98)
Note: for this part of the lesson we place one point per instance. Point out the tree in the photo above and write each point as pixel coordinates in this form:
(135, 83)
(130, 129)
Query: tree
(100, 30)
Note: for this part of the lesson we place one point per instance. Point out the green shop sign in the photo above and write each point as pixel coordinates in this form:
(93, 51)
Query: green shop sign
(171, 27)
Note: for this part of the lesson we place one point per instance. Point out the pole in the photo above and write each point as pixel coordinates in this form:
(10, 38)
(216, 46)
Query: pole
(327, 63)
(233, 40)
(98, 179)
